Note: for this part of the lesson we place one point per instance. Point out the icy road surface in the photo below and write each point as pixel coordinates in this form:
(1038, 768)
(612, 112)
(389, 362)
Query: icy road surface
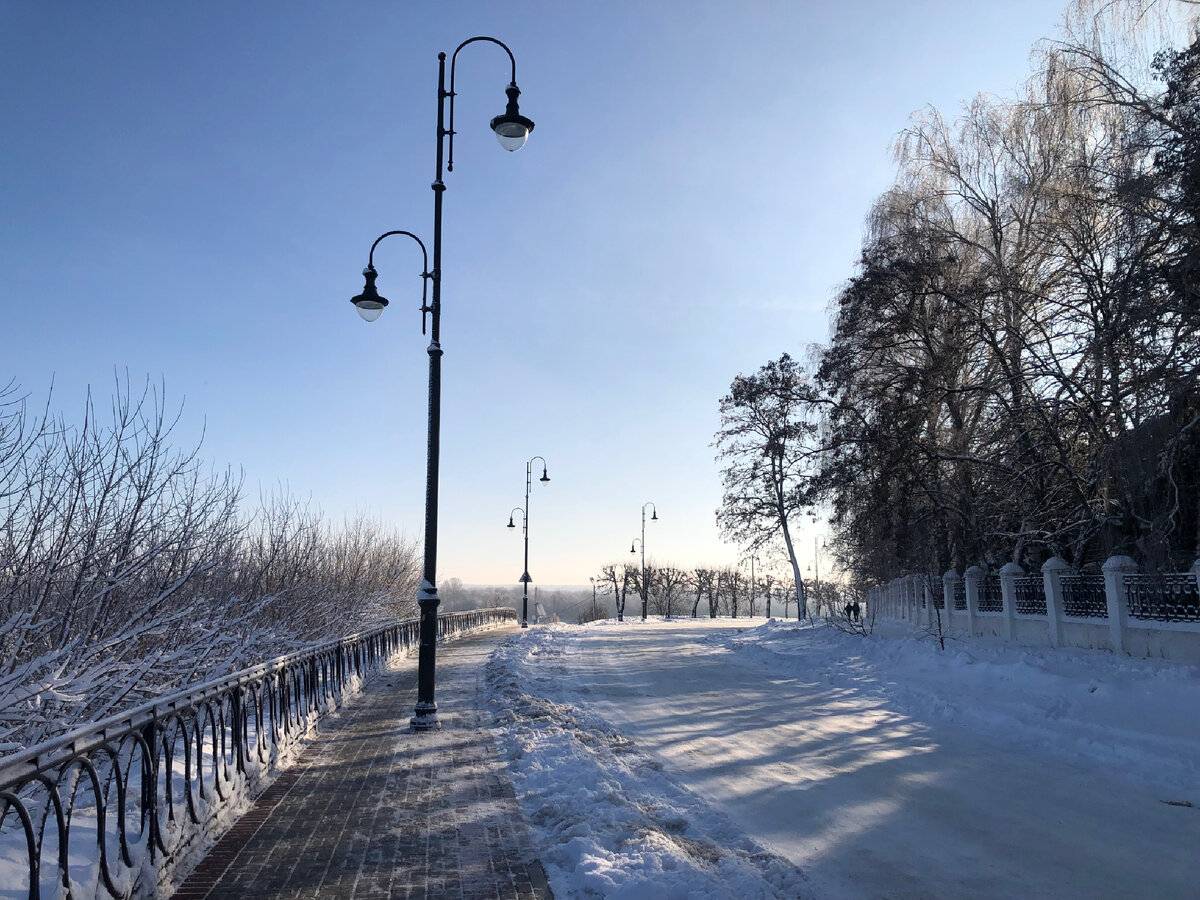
(695, 758)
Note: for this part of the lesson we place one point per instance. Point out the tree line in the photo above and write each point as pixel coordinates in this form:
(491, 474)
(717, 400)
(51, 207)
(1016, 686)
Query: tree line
(1012, 372)
(710, 591)
(128, 568)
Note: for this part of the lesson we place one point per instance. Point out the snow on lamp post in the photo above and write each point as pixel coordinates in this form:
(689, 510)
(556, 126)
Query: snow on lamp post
(511, 129)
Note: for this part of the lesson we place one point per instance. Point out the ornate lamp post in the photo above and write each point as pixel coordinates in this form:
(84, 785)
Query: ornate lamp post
(525, 579)
(653, 518)
(511, 130)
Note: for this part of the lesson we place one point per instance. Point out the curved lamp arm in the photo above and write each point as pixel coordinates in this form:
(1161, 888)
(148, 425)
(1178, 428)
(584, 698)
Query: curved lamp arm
(370, 304)
(545, 468)
(512, 90)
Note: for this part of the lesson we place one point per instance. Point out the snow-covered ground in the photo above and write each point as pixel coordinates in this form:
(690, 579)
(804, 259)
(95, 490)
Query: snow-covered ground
(751, 758)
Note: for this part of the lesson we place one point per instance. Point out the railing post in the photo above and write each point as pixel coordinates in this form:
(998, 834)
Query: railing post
(1053, 570)
(1196, 573)
(237, 729)
(150, 786)
(974, 578)
(949, 589)
(1115, 570)
(1009, 573)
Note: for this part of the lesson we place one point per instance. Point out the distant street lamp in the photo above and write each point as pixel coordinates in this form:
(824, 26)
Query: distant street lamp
(511, 129)
(525, 579)
(593, 581)
(752, 559)
(653, 518)
(817, 570)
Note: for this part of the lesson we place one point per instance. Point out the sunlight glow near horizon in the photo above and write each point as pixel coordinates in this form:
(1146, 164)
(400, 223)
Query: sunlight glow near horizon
(207, 222)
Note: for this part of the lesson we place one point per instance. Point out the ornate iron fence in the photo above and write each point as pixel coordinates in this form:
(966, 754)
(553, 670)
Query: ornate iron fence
(990, 599)
(98, 808)
(1083, 596)
(1168, 597)
(960, 596)
(1030, 595)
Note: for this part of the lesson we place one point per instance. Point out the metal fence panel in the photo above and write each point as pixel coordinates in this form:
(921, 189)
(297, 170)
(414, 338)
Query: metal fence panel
(140, 784)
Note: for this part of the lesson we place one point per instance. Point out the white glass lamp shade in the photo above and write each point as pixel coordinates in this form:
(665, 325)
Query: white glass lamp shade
(370, 310)
(511, 135)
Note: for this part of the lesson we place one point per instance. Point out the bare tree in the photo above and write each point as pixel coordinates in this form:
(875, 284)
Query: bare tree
(701, 580)
(733, 585)
(616, 578)
(768, 446)
(127, 568)
(671, 582)
(768, 590)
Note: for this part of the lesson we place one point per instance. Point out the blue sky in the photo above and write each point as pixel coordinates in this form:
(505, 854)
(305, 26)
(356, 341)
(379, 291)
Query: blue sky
(189, 191)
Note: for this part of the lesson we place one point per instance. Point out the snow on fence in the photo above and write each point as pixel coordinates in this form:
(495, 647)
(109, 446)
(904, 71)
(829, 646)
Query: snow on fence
(116, 806)
(1120, 609)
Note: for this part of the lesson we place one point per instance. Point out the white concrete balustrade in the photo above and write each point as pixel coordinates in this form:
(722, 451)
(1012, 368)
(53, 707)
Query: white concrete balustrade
(1120, 610)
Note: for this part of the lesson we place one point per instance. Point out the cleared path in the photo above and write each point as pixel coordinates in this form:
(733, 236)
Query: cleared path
(870, 803)
(373, 810)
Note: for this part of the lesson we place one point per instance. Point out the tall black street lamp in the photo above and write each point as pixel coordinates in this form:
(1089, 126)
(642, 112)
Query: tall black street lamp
(593, 581)
(525, 579)
(511, 130)
(653, 518)
(817, 571)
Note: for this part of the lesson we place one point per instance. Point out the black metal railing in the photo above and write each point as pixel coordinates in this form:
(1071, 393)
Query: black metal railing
(990, 598)
(1168, 597)
(1083, 596)
(95, 809)
(1029, 595)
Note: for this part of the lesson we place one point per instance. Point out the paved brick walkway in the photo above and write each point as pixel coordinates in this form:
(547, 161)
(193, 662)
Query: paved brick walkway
(372, 810)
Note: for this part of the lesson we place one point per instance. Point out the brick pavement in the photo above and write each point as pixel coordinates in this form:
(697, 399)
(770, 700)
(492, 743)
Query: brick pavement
(372, 810)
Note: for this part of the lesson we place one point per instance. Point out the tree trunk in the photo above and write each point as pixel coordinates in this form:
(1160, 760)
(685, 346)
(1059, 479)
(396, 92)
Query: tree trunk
(801, 600)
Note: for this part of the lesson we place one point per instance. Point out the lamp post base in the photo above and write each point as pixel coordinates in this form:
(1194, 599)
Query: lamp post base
(426, 718)
(425, 714)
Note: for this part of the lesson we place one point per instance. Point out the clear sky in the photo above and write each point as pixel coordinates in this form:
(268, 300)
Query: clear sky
(188, 190)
